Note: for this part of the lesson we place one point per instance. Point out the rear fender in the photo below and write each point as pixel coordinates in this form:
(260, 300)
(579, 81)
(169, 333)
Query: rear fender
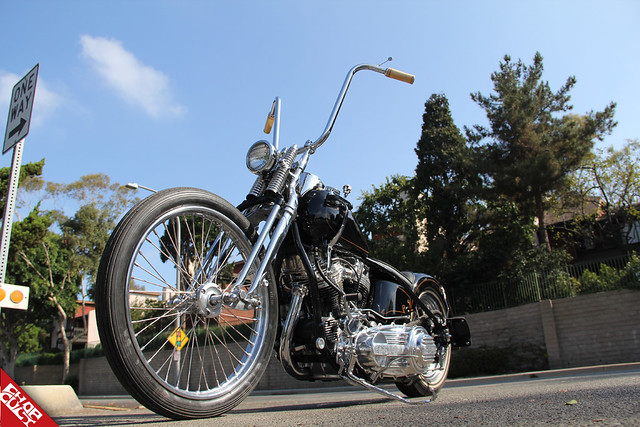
(458, 326)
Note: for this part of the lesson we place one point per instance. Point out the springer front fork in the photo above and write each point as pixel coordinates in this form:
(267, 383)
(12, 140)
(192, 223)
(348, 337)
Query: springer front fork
(274, 229)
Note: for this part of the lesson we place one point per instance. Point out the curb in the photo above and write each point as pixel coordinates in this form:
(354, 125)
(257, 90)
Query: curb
(55, 400)
(551, 373)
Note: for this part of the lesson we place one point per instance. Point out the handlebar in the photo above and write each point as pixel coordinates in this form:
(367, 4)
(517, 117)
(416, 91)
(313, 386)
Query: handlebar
(400, 75)
(389, 72)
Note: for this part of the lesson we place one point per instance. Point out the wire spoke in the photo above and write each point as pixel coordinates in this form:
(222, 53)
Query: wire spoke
(196, 247)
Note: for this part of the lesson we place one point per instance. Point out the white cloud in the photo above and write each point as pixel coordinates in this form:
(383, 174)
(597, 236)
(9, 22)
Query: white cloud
(136, 82)
(46, 101)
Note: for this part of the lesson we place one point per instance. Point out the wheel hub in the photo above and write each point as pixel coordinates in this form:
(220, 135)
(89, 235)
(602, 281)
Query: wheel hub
(210, 301)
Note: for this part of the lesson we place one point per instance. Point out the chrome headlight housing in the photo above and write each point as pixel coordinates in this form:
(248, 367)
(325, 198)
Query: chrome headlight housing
(261, 157)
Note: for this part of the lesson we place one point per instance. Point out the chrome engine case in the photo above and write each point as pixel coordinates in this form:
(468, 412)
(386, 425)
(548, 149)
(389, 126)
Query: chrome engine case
(391, 351)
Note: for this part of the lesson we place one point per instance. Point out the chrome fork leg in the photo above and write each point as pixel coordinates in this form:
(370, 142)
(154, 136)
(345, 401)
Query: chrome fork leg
(298, 292)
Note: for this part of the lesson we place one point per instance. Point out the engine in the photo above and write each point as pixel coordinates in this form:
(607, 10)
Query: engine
(379, 350)
(395, 351)
(346, 276)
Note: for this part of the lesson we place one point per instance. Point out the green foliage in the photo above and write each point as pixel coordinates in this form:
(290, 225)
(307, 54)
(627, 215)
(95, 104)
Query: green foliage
(546, 277)
(608, 278)
(27, 171)
(604, 196)
(446, 187)
(536, 259)
(86, 233)
(55, 265)
(388, 215)
(94, 189)
(505, 233)
(39, 258)
(471, 213)
(533, 146)
(31, 339)
(51, 358)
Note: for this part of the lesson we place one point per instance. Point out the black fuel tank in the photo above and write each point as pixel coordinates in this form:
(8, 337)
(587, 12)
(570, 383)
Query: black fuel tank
(321, 213)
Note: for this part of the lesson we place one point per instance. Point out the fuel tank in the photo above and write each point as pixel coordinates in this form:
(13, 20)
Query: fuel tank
(321, 214)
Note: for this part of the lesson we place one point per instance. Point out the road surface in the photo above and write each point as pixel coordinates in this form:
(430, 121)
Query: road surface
(591, 398)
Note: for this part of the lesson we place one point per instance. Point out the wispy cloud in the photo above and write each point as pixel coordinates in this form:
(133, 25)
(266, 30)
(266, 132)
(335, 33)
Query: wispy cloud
(45, 104)
(136, 82)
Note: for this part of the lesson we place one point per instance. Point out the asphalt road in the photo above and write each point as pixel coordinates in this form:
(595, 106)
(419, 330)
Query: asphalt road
(565, 398)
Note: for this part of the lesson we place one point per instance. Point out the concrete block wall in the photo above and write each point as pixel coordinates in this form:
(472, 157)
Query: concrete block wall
(276, 378)
(599, 329)
(594, 329)
(42, 374)
(96, 378)
(500, 328)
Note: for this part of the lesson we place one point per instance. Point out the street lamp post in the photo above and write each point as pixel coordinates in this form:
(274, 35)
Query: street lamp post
(135, 186)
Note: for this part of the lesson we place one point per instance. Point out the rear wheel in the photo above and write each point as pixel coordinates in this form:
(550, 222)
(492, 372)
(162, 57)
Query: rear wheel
(432, 381)
(173, 351)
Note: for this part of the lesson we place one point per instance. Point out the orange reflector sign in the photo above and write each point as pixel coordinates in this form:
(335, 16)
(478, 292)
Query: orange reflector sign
(14, 296)
(178, 338)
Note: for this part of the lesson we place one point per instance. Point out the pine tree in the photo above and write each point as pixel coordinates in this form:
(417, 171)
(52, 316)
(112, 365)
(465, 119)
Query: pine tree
(446, 182)
(534, 142)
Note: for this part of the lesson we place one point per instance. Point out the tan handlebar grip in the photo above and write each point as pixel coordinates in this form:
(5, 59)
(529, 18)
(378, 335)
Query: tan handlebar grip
(269, 124)
(400, 75)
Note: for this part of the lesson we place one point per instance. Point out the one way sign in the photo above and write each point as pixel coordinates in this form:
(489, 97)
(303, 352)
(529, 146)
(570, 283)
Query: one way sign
(20, 109)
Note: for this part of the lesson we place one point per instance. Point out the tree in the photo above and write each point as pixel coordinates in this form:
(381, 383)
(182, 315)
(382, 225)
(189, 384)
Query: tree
(27, 172)
(604, 194)
(39, 258)
(446, 185)
(13, 323)
(388, 215)
(57, 265)
(534, 143)
(101, 204)
(86, 234)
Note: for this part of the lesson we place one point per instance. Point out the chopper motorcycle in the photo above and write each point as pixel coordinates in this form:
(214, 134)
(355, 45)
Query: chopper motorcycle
(193, 294)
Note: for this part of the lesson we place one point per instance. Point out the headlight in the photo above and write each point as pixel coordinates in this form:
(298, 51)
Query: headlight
(261, 156)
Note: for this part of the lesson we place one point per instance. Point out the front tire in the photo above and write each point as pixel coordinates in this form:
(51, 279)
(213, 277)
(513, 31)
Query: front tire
(167, 350)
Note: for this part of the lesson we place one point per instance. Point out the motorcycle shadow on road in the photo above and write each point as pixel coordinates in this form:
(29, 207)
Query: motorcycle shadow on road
(276, 406)
(107, 418)
(259, 404)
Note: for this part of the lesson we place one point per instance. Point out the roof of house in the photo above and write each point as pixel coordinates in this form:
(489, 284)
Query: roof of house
(89, 306)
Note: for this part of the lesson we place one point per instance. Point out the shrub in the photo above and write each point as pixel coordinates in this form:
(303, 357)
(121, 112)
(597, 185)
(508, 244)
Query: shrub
(55, 358)
(609, 278)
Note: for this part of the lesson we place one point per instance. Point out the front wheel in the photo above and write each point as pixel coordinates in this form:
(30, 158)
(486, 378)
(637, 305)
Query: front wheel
(432, 381)
(173, 351)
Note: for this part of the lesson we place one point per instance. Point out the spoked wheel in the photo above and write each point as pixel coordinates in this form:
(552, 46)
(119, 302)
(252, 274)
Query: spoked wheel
(435, 375)
(168, 334)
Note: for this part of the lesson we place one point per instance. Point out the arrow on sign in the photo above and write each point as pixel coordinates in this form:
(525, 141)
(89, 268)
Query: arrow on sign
(18, 128)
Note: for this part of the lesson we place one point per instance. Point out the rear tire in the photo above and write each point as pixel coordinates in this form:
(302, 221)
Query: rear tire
(172, 355)
(430, 384)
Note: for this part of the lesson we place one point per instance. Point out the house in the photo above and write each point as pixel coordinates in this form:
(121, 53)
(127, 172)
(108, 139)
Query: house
(606, 234)
(81, 329)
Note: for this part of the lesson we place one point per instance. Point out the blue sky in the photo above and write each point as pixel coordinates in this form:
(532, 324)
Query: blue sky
(172, 93)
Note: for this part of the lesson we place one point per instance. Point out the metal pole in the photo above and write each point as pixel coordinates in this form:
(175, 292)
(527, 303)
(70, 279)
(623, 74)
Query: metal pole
(10, 207)
(177, 357)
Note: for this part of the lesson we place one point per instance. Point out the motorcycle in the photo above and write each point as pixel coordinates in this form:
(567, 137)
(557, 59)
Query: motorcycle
(193, 294)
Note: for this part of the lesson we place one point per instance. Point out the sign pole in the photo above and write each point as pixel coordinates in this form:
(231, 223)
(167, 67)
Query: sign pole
(10, 207)
(18, 121)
